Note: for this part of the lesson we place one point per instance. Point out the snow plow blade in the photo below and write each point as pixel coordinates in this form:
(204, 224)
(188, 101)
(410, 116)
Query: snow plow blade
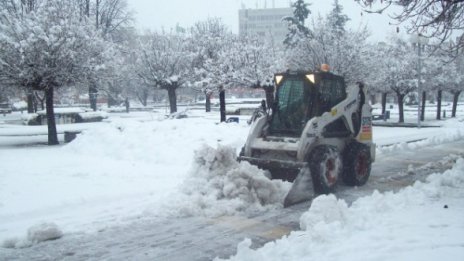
(301, 190)
(271, 164)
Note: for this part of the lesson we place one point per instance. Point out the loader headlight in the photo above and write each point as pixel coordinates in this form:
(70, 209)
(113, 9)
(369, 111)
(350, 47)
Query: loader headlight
(278, 79)
(310, 77)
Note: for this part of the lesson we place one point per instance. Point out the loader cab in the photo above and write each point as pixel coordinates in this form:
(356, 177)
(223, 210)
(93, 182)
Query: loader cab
(301, 96)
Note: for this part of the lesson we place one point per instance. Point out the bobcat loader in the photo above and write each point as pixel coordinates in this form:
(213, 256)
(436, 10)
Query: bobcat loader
(316, 133)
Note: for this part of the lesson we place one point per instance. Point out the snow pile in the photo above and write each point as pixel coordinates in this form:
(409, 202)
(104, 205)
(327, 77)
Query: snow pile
(178, 115)
(27, 117)
(218, 185)
(35, 234)
(64, 110)
(44, 232)
(383, 226)
(93, 115)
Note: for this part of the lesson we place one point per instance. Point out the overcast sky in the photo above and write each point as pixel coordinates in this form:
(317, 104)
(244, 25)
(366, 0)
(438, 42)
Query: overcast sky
(157, 14)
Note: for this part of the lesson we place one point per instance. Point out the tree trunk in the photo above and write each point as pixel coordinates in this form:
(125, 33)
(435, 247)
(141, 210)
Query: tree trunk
(384, 102)
(93, 97)
(439, 94)
(112, 101)
(455, 103)
(222, 103)
(87, 8)
(127, 104)
(145, 100)
(373, 98)
(38, 99)
(51, 124)
(424, 98)
(208, 101)
(97, 13)
(35, 104)
(172, 98)
(400, 107)
(30, 101)
(143, 97)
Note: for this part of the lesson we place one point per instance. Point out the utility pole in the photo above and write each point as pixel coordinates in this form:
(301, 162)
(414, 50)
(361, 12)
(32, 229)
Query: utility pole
(419, 84)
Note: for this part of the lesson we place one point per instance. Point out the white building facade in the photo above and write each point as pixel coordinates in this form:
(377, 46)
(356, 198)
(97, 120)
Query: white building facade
(266, 23)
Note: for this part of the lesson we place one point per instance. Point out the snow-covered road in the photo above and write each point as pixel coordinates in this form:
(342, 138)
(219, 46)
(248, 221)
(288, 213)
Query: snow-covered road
(202, 238)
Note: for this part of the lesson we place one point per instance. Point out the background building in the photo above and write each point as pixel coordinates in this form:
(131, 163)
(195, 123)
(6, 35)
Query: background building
(264, 23)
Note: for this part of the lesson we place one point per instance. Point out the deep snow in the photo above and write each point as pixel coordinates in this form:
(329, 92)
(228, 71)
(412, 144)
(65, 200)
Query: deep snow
(141, 165)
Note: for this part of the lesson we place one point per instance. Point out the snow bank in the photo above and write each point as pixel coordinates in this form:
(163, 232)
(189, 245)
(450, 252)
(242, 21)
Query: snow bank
(383, 226)
(450, 131)
(434, 140)
(219, 185)
(35, 234)
(157, 141)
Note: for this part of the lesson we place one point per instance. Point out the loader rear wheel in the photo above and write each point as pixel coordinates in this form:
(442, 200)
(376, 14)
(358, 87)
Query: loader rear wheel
(357, 164)
(325, 165)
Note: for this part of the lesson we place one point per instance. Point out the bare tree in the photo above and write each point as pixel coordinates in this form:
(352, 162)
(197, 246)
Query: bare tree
(47, 49)
(209, 38)
(401, 79)
(439, 19)
(18, 9)
(341, 49)
(165, 63)
(112, 16)
(454, 80)
(378, 62)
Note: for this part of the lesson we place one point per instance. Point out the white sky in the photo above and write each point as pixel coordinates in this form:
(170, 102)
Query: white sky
(157, 14)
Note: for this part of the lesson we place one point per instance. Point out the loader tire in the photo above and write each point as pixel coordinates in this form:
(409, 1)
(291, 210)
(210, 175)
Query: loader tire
(326, 165)
(357, 164)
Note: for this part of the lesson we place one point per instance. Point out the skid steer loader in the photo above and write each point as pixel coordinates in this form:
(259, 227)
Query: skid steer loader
(316, 132)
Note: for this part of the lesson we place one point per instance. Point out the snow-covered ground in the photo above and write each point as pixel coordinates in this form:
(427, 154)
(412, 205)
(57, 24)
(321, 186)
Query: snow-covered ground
(143, 166)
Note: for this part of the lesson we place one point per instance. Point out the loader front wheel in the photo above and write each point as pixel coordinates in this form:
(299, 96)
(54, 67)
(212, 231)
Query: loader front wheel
(357, 164)
(325, 165)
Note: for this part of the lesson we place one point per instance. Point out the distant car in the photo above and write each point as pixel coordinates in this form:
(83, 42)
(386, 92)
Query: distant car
(5, 108)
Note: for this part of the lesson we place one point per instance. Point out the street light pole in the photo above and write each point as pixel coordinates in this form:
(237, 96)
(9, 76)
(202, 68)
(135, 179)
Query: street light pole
(419, 84)
(419, 40)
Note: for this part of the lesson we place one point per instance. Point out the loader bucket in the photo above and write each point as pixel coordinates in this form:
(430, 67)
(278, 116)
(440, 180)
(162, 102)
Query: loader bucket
(301, 190)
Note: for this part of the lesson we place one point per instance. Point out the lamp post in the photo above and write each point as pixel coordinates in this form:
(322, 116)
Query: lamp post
(420, 41)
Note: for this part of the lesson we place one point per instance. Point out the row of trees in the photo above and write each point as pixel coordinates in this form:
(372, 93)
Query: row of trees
(435, 19)
(389, 67)
(395, 71)
(59, 45)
